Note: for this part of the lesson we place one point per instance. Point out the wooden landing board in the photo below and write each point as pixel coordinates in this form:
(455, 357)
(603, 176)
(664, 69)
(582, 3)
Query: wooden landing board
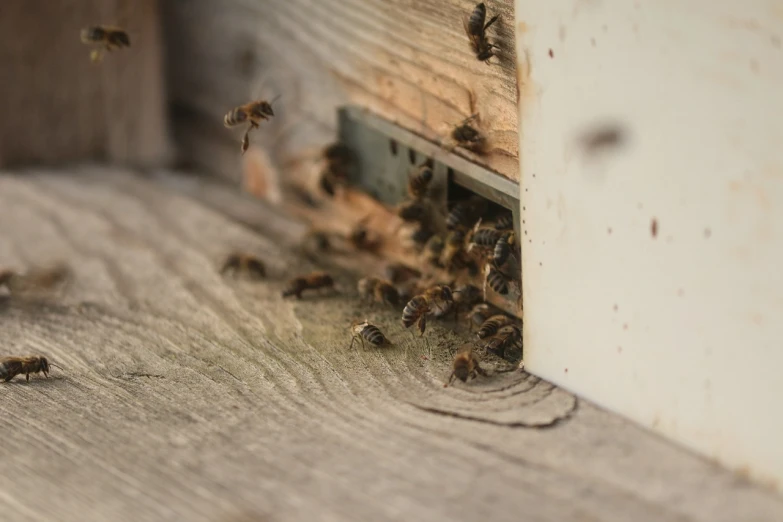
(187, 396)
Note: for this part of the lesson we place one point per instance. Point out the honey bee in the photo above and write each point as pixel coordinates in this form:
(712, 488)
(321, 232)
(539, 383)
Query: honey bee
(497, 280)
(505, 221)
(312, 281)
(468, 137)
(507, 339)
(399, 273)
(464, 213)
(486, 237)
(491, 326)
(419, 182)
(10, 367)
(35, 279)
(379, 290)
(476, 29)
(503, 248)
(440, 299)
(454, 255)
(433, 250)
(415, 312)
(465, 365)
(338, 161)
(362, 239)
(110, 38)
(253, 113)
(367, 331)
(239, 262)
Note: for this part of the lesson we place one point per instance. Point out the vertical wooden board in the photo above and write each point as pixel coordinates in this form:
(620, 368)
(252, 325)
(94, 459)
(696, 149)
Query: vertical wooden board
(407, 61)
(58, 107)
(653, 189)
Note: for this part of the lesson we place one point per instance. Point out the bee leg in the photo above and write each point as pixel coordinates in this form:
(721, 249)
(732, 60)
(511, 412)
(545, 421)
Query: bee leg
(451, 379)
(479, 370)
(46, 374)
(245, 141)
(96, 56)
(28, 377)
(353, 339)
(492, 21)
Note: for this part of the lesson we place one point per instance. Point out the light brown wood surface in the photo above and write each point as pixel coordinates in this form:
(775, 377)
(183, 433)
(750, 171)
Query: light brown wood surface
(188, 396)
(59, 107)
(408, 61)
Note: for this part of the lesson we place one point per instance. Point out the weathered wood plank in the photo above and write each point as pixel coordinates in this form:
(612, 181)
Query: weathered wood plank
(59, 107)
(407, 61)
(187, 396)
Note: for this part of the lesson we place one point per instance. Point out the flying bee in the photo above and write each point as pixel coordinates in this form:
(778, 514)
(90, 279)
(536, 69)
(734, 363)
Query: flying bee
(465, 365)
(253, 113)
(338, 160)
(399, 273)
(312, 281)
(379, 290)
(468, 137)
(464, 213)
(239, 262)
(505, 221)
(476, 30)
(10, 367)
(440, 299)
(507, 339)
(362, 239)
(491, 326)
(454, 255)
(419, 182)
(495, 279)
(108, 37)
(367, 331)
(433, 250)
(415, 312)
(503, 248)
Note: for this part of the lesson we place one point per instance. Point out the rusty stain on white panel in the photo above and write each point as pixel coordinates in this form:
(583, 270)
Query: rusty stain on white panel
(651, 141)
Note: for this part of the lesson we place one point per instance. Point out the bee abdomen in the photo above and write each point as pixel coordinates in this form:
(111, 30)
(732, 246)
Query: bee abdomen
(492, 325)
(93, 34)
(419, 183)
(502, 251)
(497, 281)
(476, 22)
(234, 117)
(413, 310)
(486, 237)
(373, 334)
(505, 222)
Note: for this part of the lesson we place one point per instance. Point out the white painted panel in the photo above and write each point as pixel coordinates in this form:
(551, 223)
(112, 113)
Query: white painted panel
(682, 332)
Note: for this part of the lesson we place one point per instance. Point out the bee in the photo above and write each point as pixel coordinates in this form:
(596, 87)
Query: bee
(109, 37)
(465, 365)
(486, 237)
(245, 263)
(454, 255)
(495, 279)
(338, 161)
(433, 250)
(253, 113)
(419, 183)
(399, 273)
(491, 326)
(464, 213)
(505, 221)
(379, 290)
(367, 331)
(476, 29)
(312, 281)
(422, 235)
(507, 338)
(413, 211)
(362, 239)
(440, 299)
(468, 137)
(503, 248)
(415, 312)
(10, 367)
(35, 279)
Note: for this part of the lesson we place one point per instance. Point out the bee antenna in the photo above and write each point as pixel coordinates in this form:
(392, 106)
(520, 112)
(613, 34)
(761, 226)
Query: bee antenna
(275, 99)
(56, 365)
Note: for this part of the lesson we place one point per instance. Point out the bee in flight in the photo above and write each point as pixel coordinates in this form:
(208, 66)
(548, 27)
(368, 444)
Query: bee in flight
(253, 113)
(108, 37)
(378, 290)
(239, 262)
(312, 281)
(10, 367)
(367, 331)
(466, 364)
(476, 30)
(469, 137)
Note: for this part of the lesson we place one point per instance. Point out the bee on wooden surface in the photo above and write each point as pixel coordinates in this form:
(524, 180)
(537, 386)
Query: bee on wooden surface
(440, 299)
(491, 326)
(366, 331)
(465, 365)
(378, 290)
(505, 221)
(312, 281)
(108, 37)
(469, 137)
(503, 248)
(36, 279)
(10, 367)
(495, 279)
(480, 313)
(362, 238)
(415, 312)
(239, 262)
(419, 182)
(464, 213)
(507, 339)
(253, 113)
(476, 30)
(399, 273)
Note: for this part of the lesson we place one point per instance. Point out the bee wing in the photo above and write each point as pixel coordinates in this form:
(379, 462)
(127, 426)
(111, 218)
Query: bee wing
(474, 39)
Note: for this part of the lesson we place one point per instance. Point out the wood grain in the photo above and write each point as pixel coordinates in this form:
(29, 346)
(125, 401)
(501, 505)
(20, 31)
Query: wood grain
(187, 396)
(407, 61)
(59, 107)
